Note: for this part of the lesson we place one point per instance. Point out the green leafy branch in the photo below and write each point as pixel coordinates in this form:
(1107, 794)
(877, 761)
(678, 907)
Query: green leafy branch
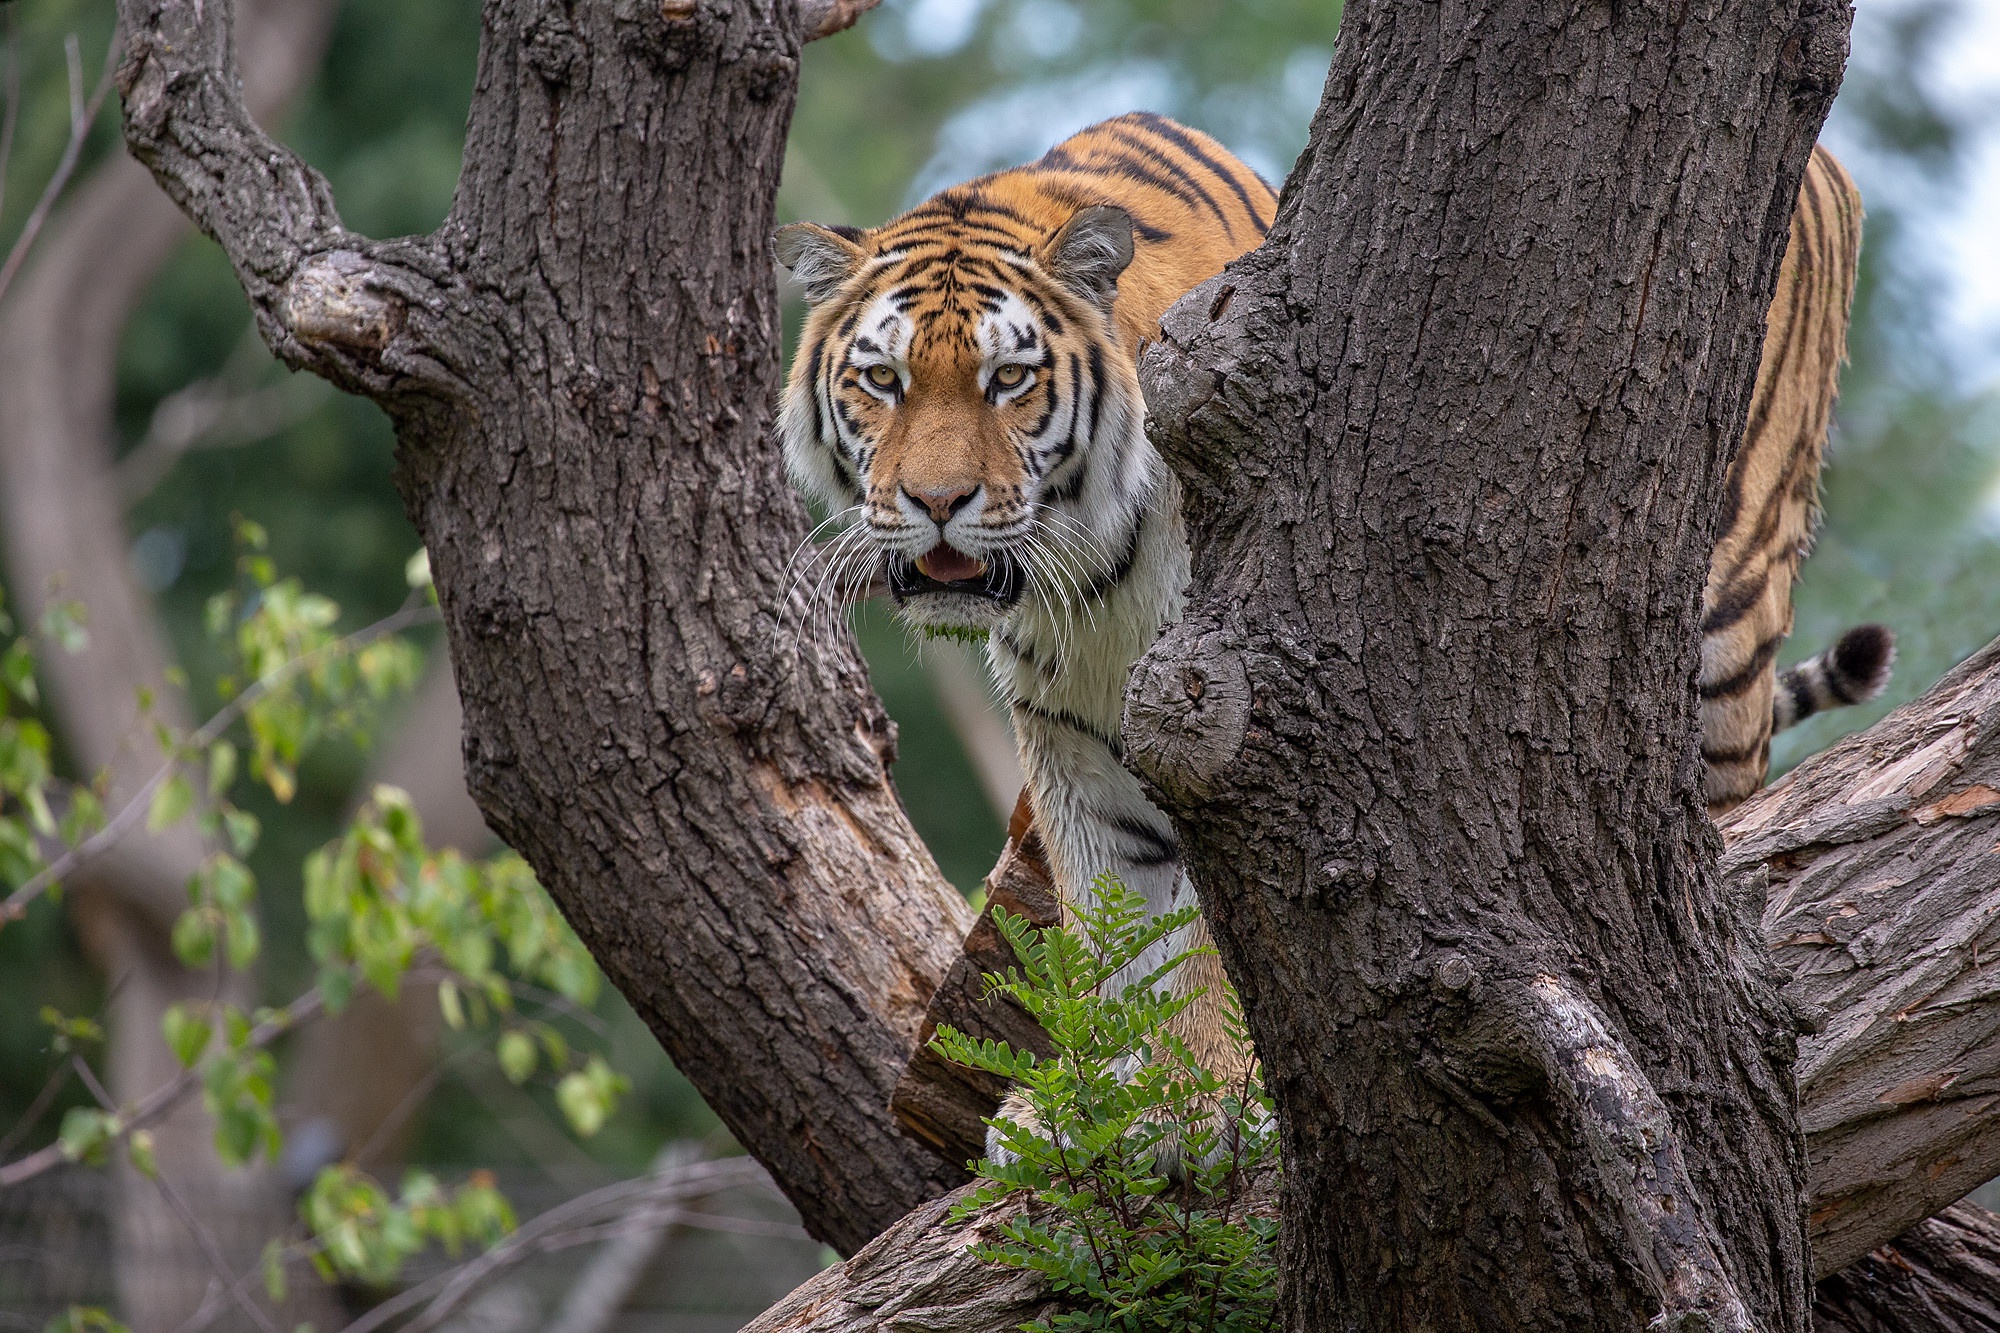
(382, 908)
(169, 794)
(1136, 1156)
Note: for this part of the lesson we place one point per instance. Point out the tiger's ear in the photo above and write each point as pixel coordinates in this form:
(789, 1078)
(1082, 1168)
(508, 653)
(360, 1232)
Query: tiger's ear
(822, 259)
(1090, 251)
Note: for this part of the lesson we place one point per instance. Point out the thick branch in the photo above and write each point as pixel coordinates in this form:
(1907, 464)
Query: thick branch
(1941, 1276)
(1879, 863)
(580, 365)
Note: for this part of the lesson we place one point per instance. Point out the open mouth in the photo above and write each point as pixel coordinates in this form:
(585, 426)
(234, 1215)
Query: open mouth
(946, 569)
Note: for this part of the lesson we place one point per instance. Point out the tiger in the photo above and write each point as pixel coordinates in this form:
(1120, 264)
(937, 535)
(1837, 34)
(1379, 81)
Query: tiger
(965, 403)
(1770, 509)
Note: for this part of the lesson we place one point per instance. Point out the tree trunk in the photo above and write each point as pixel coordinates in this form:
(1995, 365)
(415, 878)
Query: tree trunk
(581, 365)
(1451, 443)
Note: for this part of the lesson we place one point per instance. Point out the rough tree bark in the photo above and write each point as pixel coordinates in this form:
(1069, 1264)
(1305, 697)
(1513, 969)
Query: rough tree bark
(580, 364)
(1878, 862)
(1451, 443)
(1941, 1276)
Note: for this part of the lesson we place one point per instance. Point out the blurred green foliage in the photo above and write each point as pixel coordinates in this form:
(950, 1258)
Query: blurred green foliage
(920, 93)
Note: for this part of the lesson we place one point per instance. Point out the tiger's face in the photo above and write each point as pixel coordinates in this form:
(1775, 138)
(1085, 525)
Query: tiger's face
(943, 398)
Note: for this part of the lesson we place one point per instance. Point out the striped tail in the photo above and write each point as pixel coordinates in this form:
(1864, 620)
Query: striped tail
(1854, 670)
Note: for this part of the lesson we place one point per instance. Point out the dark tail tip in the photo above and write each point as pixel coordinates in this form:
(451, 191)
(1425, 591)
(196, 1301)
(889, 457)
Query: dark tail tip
(1862, 661)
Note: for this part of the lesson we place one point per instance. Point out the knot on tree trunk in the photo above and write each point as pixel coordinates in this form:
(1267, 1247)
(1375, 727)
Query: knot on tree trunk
(1187, 711)
(335, 302)
(1193, 407)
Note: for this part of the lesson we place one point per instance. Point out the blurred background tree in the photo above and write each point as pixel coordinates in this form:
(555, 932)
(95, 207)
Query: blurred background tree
(919, 94)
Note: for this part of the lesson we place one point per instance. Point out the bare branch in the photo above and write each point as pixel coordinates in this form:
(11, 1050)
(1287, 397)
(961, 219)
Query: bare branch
(667, 1193)
(823, 18)
(326, 299)
(82, 114)
(10, 117)
(1877, 862)
(218, 412)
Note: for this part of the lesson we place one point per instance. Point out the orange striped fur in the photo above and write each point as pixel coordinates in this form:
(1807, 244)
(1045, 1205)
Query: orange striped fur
(1771, 505)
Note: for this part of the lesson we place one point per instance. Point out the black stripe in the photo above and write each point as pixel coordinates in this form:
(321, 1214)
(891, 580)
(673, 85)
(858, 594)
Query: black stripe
(1755, 750)
(1175, 135)
(1057, 717)
(1736, 601)
(1161, 848)
(1746, 675)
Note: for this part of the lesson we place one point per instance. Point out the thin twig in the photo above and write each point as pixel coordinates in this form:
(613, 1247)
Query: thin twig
(57, 1078)
(210, 1248)
(212, 1251)
(82, 114)
(220, 411)
(439, 1296)
(10, 119)
(129, 815)
(169, 1094)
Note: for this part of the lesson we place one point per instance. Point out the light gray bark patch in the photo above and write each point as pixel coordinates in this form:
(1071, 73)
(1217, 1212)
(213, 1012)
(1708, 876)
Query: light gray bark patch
(331, 299)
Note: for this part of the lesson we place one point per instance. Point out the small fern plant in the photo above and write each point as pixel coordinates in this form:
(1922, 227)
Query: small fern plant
(1137, 1157)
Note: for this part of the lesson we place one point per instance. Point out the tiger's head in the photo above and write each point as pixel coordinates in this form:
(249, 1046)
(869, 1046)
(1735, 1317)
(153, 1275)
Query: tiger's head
(961, 391)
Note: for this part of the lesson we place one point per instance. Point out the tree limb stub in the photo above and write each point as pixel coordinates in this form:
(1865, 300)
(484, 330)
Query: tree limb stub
(824, 18)
(1878, 861)
(581, 381)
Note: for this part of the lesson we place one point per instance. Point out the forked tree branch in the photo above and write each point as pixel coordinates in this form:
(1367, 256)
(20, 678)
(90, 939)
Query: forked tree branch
(580, 376)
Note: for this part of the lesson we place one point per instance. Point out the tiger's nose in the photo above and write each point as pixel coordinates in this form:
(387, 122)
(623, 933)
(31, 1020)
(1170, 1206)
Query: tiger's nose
(942, 504)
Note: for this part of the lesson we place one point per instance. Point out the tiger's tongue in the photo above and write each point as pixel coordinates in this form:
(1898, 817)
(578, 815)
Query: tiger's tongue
(946, 565)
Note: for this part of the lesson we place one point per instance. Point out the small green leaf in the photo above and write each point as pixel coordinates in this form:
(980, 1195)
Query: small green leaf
(63, 621)
(452, 1007)
(194, 937)
(139, 1146)
(173, 799)
(274, 1270)
(84, 816)
(243, 937)
(86, 1134)
(221, 767)
(17, 668)
(187, 1032)
(516, 1050)
(243, 828)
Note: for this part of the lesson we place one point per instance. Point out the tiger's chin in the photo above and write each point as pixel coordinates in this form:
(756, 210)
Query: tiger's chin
(972, 593)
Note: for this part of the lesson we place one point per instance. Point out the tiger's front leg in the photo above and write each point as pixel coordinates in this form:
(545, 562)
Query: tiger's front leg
(1095, 820)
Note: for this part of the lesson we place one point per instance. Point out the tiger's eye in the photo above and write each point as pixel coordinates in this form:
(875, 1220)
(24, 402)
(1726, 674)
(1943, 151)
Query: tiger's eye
(1010, 377)
(883, 377)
